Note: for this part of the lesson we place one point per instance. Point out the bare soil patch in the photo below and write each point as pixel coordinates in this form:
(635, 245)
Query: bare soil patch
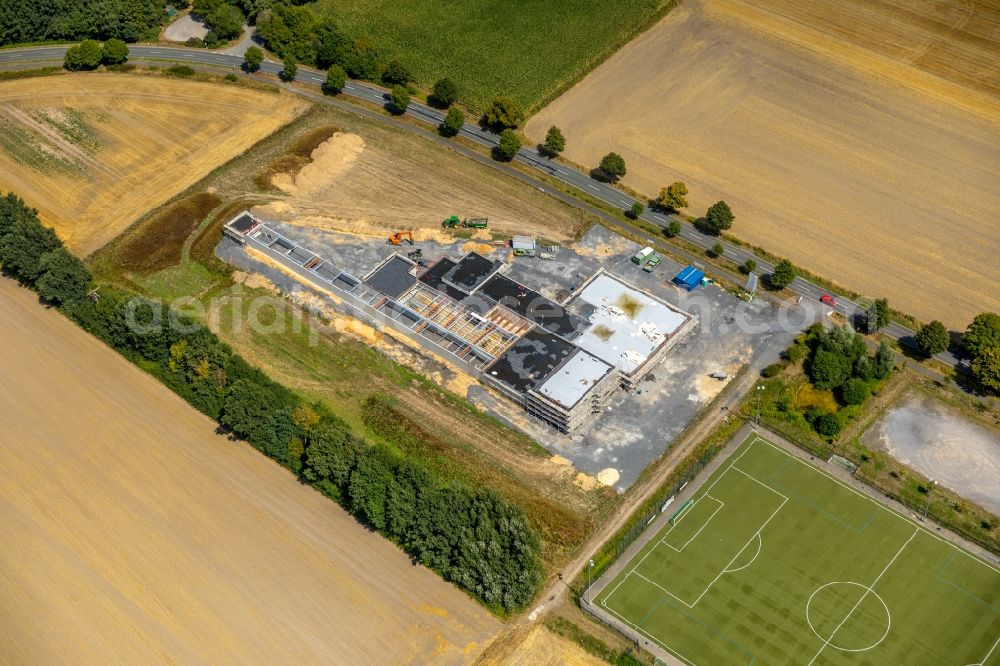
(857, 139)
(382, 180)
(541, 647)
(926, 435)
(134, 534)
(152, 138)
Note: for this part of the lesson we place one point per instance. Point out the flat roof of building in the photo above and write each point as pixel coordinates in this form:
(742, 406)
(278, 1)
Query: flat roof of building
(534, 307)
(574, 378)
(471, 272)
(393, 276)
(432, 277)
(244, 222)
(626, 325)
(530, 360)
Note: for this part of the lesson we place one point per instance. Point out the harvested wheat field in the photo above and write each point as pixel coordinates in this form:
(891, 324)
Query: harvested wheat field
(133, 534)
(385, 180)
(93, 152)
(858, 139)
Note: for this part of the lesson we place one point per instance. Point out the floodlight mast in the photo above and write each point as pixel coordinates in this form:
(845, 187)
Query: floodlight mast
(760, 387)
(928, 505)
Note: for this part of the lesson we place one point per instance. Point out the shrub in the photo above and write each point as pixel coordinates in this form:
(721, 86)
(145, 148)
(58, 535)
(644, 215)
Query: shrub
(716, 250)
(854, 392)
(772, 370)
(180, 70)
(828, 425)
(508, 146)
(504, 113)
(444, 94)
(399, 100)
(796, 352)
(114, 52)
(290, 69)
(84, 56)
(453, 122)
(232, 78)
(672, 229)
(828, 369)
(748, 266)
(396, 73)
(336, 79)
(636, 210)
(252, 59)
(195, 43)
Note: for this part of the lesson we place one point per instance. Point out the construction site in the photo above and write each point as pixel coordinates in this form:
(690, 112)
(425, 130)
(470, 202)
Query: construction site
(601, 360)
(559, 361)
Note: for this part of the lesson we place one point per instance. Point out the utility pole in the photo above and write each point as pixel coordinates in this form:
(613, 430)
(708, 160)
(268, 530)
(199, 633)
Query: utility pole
(760, 387)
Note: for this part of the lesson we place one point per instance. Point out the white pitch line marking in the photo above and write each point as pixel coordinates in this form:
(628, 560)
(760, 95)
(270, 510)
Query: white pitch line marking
(867, 591)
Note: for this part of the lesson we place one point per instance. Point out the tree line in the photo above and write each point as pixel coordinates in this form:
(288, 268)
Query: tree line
(472, 537)
(44, 20)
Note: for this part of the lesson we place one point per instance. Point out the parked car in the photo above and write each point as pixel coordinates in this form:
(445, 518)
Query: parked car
(651, 264)
(827, 299)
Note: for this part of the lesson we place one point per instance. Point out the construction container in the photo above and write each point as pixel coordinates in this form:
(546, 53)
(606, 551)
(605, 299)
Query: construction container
(643, 255)
(524, 246)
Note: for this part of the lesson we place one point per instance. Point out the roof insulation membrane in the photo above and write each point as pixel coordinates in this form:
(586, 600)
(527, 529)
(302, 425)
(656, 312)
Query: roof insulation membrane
(626, 325)
(570, 382)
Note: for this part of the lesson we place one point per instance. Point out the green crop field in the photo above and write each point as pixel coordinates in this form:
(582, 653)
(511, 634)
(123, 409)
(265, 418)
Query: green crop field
(529, 50)
(776, 562)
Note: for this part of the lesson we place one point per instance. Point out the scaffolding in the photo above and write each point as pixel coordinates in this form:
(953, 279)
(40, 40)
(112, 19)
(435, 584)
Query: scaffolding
(493, 332)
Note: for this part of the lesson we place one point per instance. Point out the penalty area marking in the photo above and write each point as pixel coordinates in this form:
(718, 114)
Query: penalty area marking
(703, 525)
(759, 544)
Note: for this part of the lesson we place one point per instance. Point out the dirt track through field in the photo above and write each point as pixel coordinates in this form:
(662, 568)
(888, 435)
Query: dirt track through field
(152, 137)
(832, 147)
(133, 534)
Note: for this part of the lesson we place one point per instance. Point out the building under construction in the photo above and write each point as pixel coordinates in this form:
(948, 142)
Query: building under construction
(559, 361)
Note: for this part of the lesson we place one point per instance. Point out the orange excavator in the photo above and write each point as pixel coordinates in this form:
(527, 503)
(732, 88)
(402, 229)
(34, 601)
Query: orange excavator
(400, 236)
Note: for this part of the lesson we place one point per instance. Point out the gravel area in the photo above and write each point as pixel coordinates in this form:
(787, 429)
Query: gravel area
(927, 435)
(184, 29)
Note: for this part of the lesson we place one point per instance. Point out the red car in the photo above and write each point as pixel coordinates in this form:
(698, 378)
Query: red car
(828, 300)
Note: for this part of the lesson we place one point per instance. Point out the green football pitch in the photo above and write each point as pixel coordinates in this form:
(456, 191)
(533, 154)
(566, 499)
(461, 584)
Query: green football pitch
(773, 561)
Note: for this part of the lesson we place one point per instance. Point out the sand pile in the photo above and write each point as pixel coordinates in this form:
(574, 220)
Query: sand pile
(330, 160)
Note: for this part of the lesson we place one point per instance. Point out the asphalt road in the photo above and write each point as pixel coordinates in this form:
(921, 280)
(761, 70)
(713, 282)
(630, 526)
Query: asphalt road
(528, 156)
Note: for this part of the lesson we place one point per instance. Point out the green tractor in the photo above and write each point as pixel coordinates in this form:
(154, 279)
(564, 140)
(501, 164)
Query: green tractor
(453, 222)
